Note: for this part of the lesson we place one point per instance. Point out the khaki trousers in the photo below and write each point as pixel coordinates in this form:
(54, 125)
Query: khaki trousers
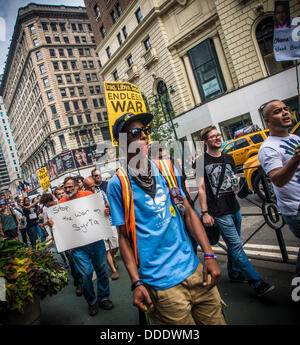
(188, 303)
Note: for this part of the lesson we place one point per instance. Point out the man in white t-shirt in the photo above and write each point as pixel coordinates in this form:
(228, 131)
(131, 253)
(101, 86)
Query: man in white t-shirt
(279, 156)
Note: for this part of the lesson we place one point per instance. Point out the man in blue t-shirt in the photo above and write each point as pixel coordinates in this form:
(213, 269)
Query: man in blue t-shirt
(169, 278)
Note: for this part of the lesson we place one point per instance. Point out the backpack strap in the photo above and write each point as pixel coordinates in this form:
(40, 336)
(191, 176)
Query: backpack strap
(128, 205)
(166, 168)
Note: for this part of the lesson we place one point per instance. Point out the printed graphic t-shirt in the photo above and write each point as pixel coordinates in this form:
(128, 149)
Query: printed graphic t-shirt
(165, 251)
(274, 153)
(226, 202)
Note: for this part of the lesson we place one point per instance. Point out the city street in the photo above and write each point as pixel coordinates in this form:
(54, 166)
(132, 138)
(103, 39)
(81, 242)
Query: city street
(243, 307)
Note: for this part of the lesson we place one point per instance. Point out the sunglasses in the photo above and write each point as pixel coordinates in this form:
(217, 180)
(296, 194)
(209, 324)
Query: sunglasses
(136, 132)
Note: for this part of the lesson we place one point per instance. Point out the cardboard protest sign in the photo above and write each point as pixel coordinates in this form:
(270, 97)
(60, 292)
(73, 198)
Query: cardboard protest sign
(286, 33)
(43, 178)
(79, 222)
(122, 97)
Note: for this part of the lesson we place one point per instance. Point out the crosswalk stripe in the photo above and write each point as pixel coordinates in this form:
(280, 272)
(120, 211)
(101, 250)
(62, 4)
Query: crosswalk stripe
(267, 247)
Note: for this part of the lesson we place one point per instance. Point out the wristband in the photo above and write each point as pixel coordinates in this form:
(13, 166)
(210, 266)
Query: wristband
(204, 212)
(209, 256)
(136, 284)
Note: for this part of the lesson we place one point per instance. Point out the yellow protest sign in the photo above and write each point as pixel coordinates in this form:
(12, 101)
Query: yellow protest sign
(43, 178)
(121, 98)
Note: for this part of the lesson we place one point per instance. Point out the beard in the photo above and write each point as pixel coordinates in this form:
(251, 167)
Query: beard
(70, 195)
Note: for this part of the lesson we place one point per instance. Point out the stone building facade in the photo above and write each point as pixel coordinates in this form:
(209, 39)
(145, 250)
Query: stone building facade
(53, 90)
(209, 61)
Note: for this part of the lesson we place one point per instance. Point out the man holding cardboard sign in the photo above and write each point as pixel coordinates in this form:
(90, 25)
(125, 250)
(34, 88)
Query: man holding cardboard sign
(87, 221)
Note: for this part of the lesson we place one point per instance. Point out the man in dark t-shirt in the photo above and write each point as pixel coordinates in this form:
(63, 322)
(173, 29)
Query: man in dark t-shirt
(219, 204)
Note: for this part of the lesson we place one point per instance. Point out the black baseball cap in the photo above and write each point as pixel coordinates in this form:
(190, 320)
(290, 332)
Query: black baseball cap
(127, 118)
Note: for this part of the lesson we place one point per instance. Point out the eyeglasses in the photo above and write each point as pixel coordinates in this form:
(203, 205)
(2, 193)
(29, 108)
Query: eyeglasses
(214, 137)
(136, 132)
(96, 175)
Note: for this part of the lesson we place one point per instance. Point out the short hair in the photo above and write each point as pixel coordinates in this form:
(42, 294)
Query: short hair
(263, 109)
(94, 171)
(79, 177)
(68, 178)
(58, 188)
(205, 131)
(46, 197)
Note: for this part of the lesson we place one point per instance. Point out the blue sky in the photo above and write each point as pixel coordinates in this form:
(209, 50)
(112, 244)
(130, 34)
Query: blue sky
(8, 16)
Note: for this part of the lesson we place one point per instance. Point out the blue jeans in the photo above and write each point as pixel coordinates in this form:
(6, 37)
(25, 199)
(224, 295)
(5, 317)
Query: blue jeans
(34, 232)
(86, 258)
(74, 271)
(238, 262)
(294, 224)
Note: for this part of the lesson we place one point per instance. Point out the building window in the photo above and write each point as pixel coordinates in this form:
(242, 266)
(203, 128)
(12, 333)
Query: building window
(80, 51)
(147, 43)
(48, 39)
(68, 78)
(97, 11)
(77, 78)
(65, 65)
(87, 51)
(119, 38)
(61, 52)
(38, 55)
(66, 39)
(88, 118)
(62, 26)
(95, 103)
(55, 65)
(88, 77)
(163, 94)
(73, 65)
(52, 52)
(105, 133)
(92, 91)
(71, 121)
(108, 52)
(84, 64)
(53, 26)
(138, 15)
(207, 70)
(115, 75)
(91, 64)
(67, 106)
(36, 42)
(125, 33)
(94, 77)
(46, 82)
(59, 79)
(70, 52)
(129, 60)
(80, 27)
(89, 27)
(63, 92)
(63, 142)
(98, 89)
(264, 36)
(77, 39)
(42, 68)
(83, 39)
(72, 91)
(57, 39)
(118, 9)
(102, 31)
(74, 27)
(80, 91)
(76, 105)
(113, 17)
(32, 29)
(53, 109)
(79, 119)
(45, 26)
(84, 104)
(50, 95)
(99, 117)
(101, 100)
(57, 124)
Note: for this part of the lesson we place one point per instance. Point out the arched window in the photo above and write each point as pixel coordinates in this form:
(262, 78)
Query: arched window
(163, 94)
(264, 35)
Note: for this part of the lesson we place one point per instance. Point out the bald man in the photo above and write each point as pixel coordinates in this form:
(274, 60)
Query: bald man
(89, 184)
(279, 156)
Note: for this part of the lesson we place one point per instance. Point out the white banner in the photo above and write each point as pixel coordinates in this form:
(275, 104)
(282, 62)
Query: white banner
(79, 222)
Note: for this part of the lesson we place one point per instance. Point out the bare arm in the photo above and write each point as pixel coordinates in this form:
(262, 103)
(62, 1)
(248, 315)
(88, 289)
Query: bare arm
(33, 204)
(140, 294)
(281, 176)
(207, 219)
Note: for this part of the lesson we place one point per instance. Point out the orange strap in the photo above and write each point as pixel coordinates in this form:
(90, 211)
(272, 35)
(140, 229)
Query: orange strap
(128, 210)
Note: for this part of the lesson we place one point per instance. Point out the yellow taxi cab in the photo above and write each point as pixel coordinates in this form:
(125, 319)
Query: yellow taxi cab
(251, 170)
(242, 148)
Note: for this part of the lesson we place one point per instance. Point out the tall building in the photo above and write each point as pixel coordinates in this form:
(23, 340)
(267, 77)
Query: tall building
(4, 177)
(207, 61)
(53, 91)
(9, 150)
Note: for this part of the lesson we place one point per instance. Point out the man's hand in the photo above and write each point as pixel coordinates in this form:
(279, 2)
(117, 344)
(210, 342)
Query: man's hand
(50, 223)
(211, 267)
(297, 154)
(107, 210)
(208, 220)
(141, 297)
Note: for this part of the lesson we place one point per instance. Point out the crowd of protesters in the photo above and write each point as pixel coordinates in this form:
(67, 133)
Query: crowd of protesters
(155, 225)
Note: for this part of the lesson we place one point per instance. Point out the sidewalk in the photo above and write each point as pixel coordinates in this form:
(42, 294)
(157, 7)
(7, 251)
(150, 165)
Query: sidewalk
(243, 307)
